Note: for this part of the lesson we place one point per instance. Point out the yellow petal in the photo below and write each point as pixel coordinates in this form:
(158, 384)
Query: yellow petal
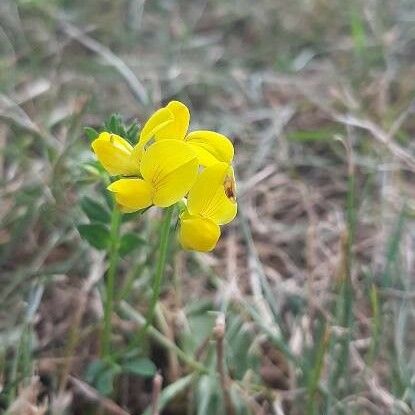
(132, 194)
(171, 167)
(115, 154)
(178, 128)
(211, 147)
(137, 152)
(213, 194)
(198, 233)
(159, 120)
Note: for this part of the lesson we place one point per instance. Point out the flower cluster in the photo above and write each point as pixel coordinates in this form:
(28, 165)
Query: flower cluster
(168, 164)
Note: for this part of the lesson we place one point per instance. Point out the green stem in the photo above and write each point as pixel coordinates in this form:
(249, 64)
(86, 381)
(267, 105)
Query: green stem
(110, 283)
(161, 265)
(158, 276)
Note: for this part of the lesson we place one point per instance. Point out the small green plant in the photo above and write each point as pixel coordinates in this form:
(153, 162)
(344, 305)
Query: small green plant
(190, 176)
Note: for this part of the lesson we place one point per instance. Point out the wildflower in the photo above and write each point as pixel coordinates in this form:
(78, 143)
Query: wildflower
(172, 122)
(117, 155)
(168, 169)
(169, 163)
(211, 202)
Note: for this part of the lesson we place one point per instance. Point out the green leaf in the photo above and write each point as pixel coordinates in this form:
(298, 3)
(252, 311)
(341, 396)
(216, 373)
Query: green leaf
(141, 366)
(172, 391)
(200, 323)
(95, 211)
(115, 125)
(91, 133)
(101, 375)
(96, 234)
(239, 339)
(92, 168)
(105, 382)
(208, 396)
(129, 242)
(238, 401)
(132, 133)
(94, 369)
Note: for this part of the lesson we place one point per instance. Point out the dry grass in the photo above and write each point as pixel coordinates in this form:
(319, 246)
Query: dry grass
(315, 278)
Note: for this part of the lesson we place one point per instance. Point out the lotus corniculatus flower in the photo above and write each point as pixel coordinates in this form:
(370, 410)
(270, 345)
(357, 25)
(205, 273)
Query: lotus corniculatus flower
(211, 202)
(172, 122)
(168, 164)
(117, 155)
(168, 170)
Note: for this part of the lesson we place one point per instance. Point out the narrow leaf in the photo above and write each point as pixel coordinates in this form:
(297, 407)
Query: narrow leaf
(132, 133)
(172, 391)
(91, 133)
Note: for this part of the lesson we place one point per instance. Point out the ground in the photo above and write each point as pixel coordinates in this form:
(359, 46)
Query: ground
(312, 285)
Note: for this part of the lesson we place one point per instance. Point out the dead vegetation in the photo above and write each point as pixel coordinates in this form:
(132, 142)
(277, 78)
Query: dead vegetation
(316, 278)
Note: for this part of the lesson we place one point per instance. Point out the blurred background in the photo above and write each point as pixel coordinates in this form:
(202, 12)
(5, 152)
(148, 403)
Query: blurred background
(315, 277)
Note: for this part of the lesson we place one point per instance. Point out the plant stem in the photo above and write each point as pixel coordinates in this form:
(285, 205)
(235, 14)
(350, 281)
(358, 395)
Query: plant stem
(158, 276)
(161, 265)
(110, 282)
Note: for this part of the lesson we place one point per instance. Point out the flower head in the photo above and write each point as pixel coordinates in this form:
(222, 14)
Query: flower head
(168, 164)
(172, 122)
(116, 155)
(168, 170)
(211, 202)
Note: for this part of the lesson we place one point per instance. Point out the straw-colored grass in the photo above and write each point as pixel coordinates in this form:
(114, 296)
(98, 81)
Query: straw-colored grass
(307, 304)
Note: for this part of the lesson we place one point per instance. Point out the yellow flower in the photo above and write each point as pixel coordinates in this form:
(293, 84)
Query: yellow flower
(172, 122)
(168, 169)
(117, 155)
(211, 202)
